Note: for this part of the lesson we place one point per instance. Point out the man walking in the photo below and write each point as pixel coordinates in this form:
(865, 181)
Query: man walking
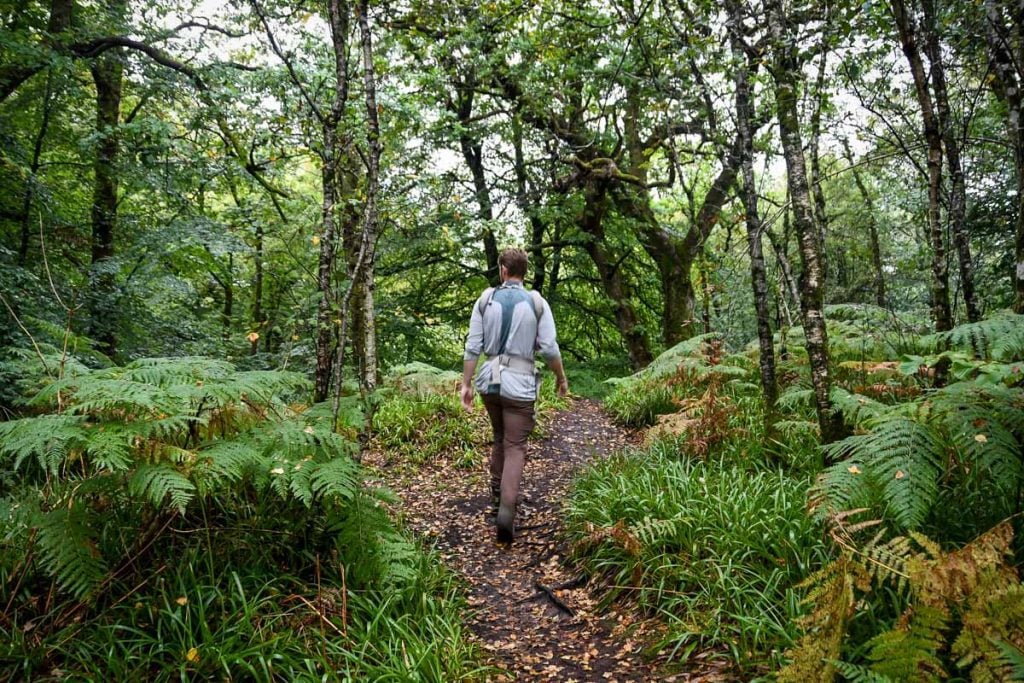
(508, 325)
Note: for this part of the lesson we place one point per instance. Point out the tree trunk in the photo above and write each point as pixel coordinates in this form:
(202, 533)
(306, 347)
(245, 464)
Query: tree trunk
(473, 154)
(758, 275)
(368, 380)
(615, 287)
(907, 29)
(32, 180)
(673, 256)
(107, 72)
(229, 297)
(556, 265)
(537, 226)
(958, 186)
(817, 188)
(338, 19)
(258, 318)
(1007, 62)
(873, 241)
(787, 82)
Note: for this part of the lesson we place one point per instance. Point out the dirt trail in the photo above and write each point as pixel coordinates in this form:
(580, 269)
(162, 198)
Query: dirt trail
(515, 592)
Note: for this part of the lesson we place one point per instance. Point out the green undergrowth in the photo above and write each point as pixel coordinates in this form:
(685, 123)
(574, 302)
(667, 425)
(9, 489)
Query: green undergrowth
(681, 372)
(256, 592)
(181, 519)
(715, 548)
(420, 417)
(904, 549)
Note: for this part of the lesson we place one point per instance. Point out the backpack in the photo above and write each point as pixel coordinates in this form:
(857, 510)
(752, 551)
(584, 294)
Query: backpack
(485, 300)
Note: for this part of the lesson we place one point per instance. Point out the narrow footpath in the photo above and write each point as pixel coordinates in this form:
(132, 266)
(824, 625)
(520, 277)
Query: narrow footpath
(533, 615)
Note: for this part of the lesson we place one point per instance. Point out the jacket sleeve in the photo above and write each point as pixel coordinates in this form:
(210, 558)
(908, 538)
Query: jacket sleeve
(475, 338)
(547, 340)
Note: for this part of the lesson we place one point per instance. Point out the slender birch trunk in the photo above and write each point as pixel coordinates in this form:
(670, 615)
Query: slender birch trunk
(951, 143)
(787, 77)
(908, 35)
(758, 275)
(371, 227)
(326, 340)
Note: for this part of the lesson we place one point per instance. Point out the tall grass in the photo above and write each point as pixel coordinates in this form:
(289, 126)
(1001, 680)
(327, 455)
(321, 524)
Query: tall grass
(714, 547)
(420, 427)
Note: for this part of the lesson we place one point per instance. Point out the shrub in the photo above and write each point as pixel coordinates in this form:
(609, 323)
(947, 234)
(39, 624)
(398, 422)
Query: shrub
(176, 518)
(680, 372)
(963, 614)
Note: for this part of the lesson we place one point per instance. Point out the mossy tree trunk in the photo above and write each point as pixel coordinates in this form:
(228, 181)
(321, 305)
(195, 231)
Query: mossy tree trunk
(787, 80)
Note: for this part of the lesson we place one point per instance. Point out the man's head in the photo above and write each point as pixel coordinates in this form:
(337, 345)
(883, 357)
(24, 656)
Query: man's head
(512, 264)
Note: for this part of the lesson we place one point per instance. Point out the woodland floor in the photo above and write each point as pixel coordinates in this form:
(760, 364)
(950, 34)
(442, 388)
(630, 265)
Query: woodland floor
(532, 612)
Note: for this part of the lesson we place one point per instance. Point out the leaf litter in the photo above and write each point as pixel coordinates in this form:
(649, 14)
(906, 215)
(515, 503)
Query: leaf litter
(531, 612)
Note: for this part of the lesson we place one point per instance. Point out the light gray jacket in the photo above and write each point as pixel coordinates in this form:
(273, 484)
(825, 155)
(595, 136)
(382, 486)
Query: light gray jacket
(526, 334)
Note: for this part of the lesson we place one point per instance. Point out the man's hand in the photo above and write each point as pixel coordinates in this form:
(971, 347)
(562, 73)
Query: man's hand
(468, 367)
(467, 397)
(562, 387)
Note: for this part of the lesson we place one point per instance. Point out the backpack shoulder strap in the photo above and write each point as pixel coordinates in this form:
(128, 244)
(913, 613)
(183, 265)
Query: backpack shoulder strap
(538, 303)
(484, 300)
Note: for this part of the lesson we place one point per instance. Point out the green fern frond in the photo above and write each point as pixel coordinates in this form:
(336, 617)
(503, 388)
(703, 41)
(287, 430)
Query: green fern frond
(109, 446)
(999, 337)
(856, 673)
(67, 549)
(262, 385)
(157, 483)
(48, 438)
(182, 370)
(796, 398)
(900, 461)
(910, 651)
(856, 409)
(378, 556)
(226, 461)
(1011, 661)
(337, 478)
(98, 394)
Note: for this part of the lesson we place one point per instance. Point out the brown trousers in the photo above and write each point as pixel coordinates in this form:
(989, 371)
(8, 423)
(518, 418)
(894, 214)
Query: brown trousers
(512, 421)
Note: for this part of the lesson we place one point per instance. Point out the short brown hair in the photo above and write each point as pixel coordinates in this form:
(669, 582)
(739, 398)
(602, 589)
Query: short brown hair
(514, 261)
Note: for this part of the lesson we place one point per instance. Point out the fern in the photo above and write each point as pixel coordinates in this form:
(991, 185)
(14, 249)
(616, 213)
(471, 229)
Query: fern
(999, 337)
(381, 558)
(657, 533)
(795, 398)
(226, 461)
(964, 606)
(908, 652)
(856, 409)
(1011, 661)
(964, 436)
(170, 429)
(420, 378)
(67, 548)
(157, 483)
(830, 599)
(855, 673)
(900, 461)
(334, 479)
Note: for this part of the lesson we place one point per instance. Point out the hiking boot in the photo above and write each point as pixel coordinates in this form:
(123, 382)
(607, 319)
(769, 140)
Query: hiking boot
(505, 523)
